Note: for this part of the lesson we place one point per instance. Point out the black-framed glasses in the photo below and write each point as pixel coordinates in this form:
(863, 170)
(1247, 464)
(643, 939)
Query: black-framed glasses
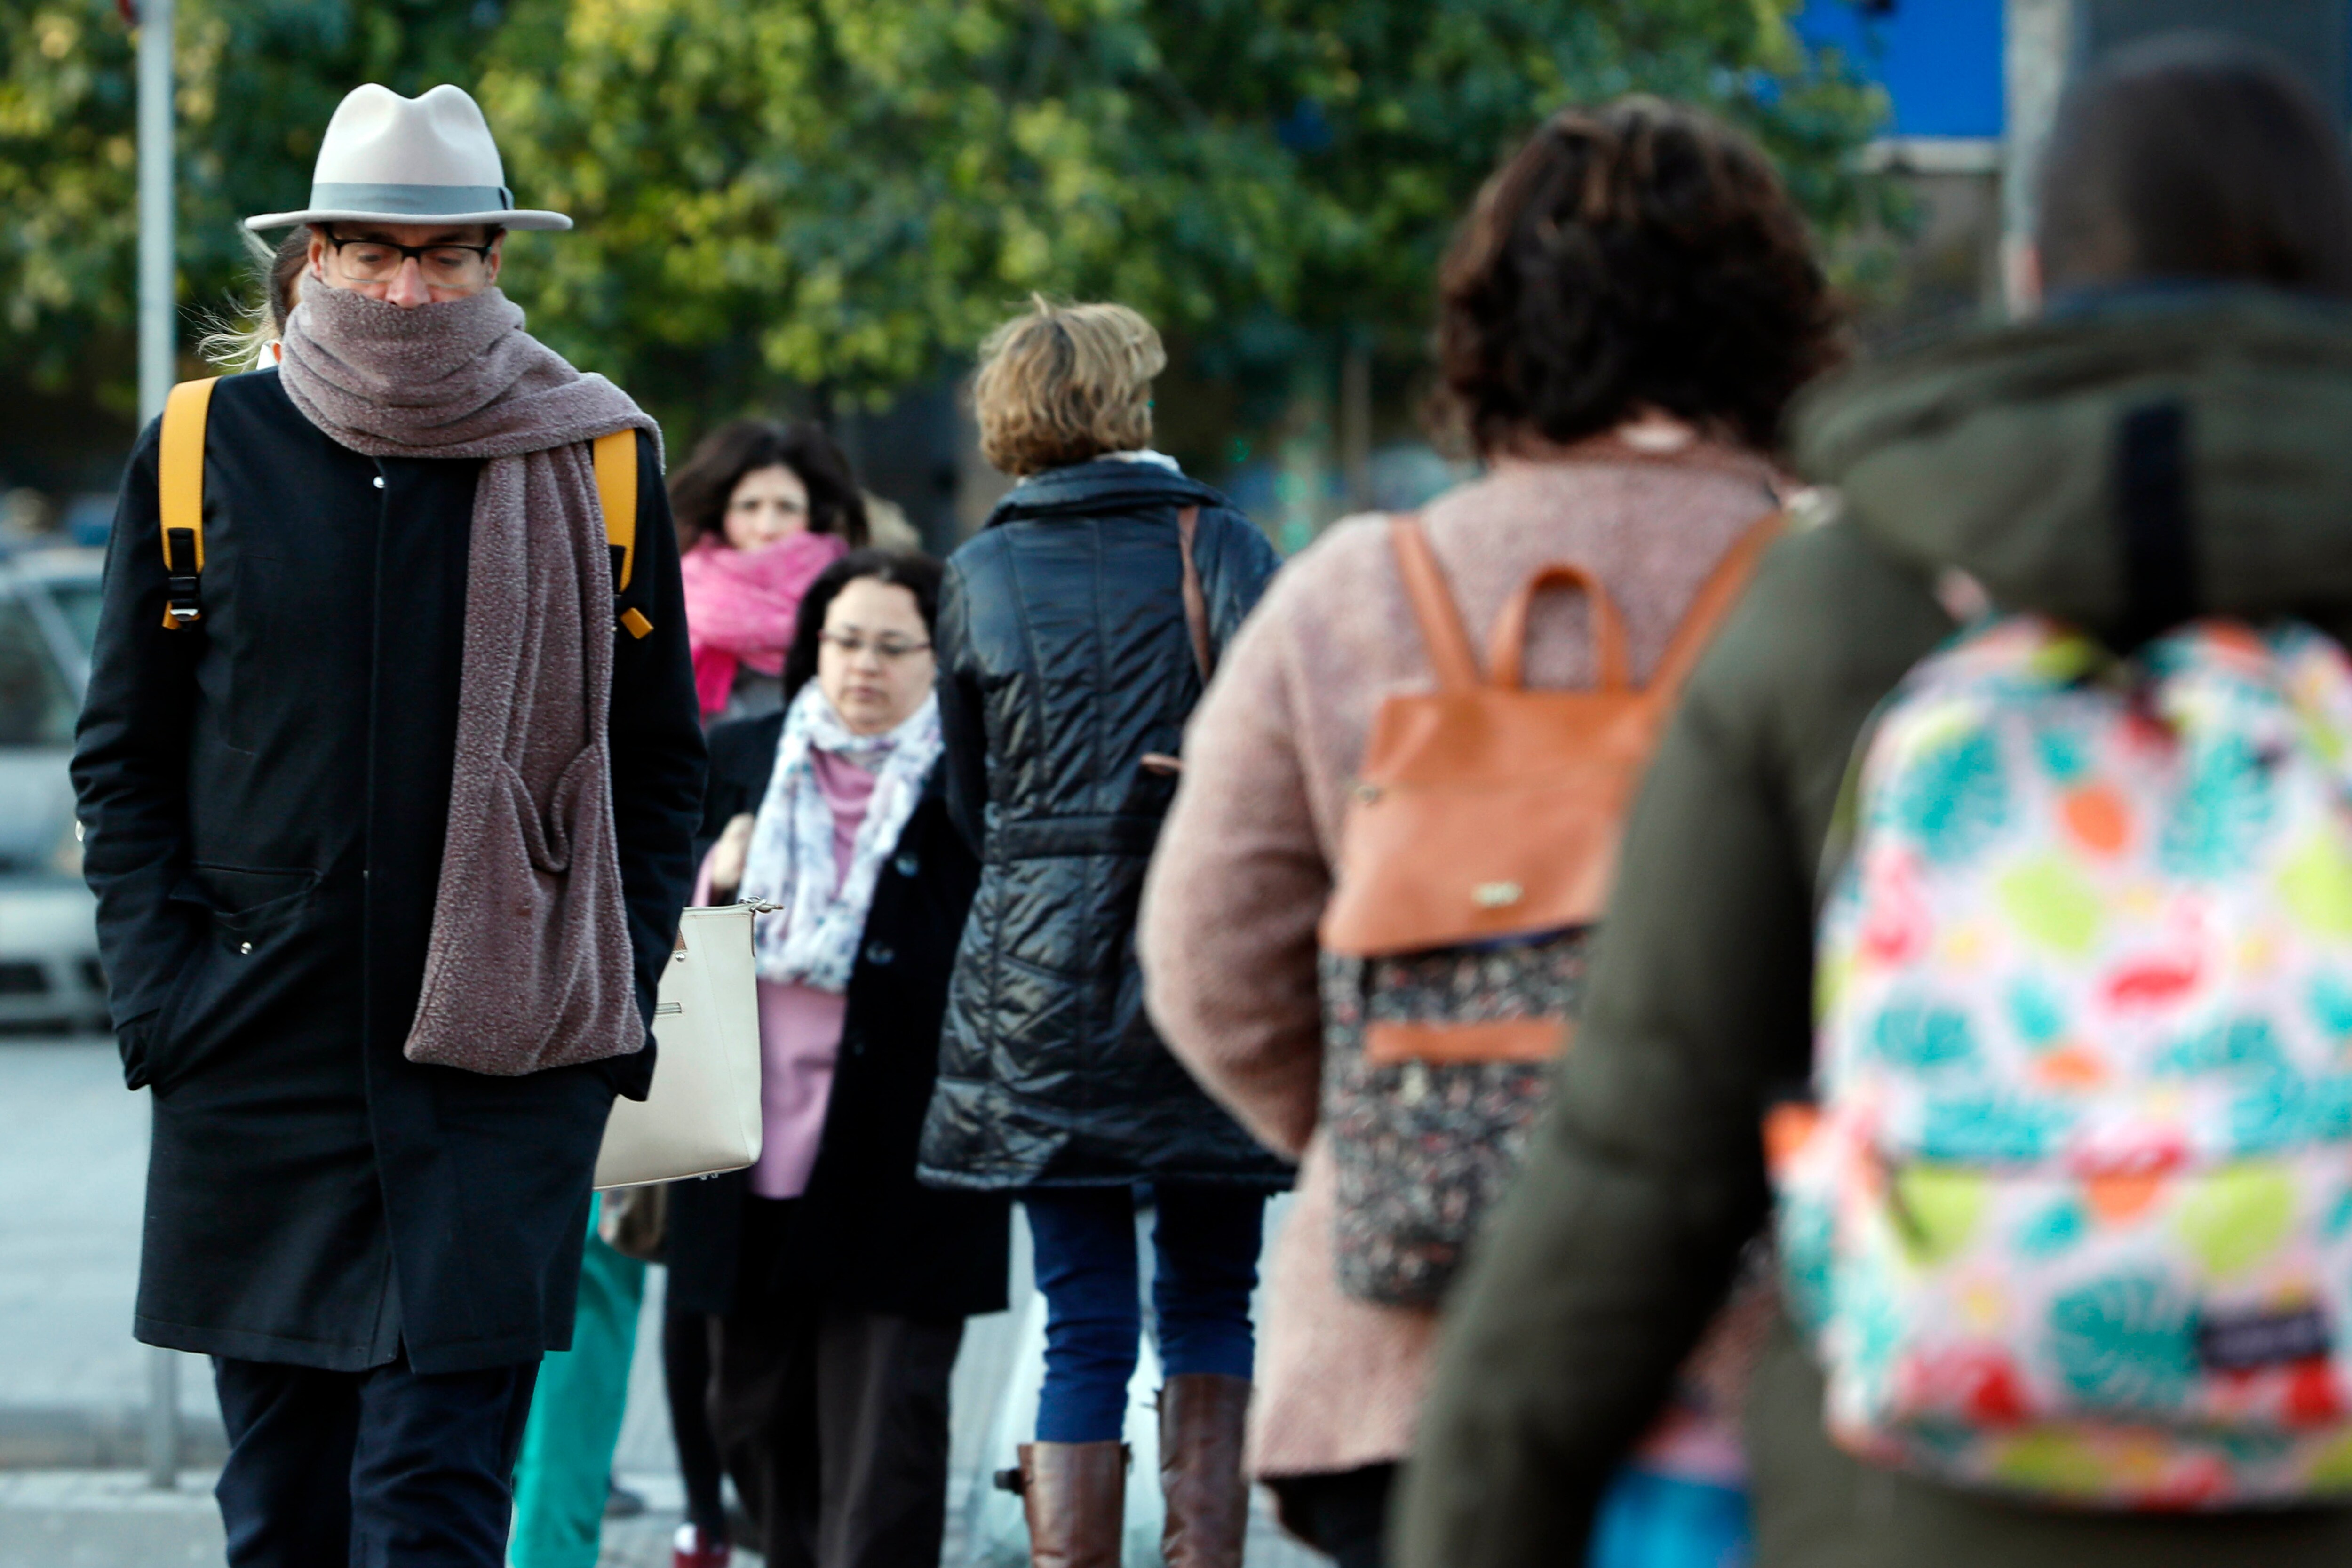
(379, 260)
(852, 644)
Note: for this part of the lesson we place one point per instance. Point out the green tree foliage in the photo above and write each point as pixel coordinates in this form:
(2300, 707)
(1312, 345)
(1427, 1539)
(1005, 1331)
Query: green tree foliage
(256, 82)
(844, 194)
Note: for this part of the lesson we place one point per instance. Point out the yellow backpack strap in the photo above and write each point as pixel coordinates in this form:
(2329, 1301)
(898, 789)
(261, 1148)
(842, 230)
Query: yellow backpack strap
(180, 479)
(616, 487)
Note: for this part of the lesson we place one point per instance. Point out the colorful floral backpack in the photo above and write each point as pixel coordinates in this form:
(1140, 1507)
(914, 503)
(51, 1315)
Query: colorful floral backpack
(2071, 1214)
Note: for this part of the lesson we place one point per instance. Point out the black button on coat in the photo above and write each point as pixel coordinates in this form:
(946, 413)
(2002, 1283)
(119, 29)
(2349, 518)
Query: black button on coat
(865, 1233)
(1065, 659)
(279, 776)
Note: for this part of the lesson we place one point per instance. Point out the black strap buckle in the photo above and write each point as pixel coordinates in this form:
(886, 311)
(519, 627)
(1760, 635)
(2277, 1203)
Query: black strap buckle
(181, 601)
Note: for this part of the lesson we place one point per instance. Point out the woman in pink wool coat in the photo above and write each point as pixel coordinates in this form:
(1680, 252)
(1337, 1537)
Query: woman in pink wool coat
(1622, 319)
(761, 509)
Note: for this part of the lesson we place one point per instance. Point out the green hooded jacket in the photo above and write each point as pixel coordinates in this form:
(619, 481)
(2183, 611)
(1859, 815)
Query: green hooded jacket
(2007, 455)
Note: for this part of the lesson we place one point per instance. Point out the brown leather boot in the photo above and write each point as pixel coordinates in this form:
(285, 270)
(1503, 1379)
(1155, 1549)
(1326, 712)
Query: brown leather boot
(1074, 1495)
(1202, 1415)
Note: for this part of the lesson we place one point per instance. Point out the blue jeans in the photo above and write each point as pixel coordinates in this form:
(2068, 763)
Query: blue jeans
(1205, 1244)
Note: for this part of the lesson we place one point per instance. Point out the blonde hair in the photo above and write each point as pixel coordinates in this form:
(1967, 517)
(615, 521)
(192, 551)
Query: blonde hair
(1061, 383)
(239, 343)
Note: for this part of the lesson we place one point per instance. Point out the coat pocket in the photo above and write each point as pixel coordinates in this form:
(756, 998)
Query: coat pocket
(529, 966)
(255, 948)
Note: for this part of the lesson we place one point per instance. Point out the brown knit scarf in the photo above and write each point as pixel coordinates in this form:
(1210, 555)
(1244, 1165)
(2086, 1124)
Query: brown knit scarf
(529, 965)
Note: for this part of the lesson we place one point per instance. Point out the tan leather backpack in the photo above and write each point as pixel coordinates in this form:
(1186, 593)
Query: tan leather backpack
(1485, 811)
(1476, 856)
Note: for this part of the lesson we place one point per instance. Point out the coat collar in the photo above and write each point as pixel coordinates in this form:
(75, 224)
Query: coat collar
(2002, 452)
(1105, 484)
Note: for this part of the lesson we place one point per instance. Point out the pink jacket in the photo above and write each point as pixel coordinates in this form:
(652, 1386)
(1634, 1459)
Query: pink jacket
(1244, 864)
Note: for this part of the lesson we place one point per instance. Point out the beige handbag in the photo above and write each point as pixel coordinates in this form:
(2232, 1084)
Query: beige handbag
(703, 1115)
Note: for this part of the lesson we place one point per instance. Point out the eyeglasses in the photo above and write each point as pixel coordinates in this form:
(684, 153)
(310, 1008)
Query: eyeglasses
(888, 648)
(380, 260)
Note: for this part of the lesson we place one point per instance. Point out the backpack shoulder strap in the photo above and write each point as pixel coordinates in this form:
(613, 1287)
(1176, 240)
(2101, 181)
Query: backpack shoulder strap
(615, 458)
(1433, 604)
(179, 484)
(1196, 601)
(616, 486)
(1713, 601)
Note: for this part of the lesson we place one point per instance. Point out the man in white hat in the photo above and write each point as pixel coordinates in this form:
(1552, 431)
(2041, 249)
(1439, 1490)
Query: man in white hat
(389, 770)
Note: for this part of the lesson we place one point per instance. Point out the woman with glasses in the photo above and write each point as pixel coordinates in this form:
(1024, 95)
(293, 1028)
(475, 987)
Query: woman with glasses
(840, 1286)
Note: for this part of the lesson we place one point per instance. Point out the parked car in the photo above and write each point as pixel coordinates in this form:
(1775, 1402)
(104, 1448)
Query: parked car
(49, 972)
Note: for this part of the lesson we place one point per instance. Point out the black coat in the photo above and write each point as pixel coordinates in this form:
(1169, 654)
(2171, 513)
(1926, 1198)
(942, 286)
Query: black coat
(865, 1233)
(1065, 657)
(266, 797)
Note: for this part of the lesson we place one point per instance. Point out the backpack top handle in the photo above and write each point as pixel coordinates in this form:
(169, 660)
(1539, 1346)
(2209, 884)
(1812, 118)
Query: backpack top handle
(1611, 666)
(1457, 666)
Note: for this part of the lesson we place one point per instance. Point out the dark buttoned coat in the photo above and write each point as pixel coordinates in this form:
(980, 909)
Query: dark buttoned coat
(264, 797)
(865, 1234)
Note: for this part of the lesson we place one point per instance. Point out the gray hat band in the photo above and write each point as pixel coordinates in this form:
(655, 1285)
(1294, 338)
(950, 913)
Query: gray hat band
(412, 201)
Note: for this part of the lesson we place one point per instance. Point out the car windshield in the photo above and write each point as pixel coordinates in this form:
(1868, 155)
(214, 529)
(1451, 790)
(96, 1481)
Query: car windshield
(78, 601)
(36, 709)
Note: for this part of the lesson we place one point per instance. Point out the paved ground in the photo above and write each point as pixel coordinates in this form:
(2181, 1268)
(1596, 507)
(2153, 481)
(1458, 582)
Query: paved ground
(73, 1385)
(111, 1519)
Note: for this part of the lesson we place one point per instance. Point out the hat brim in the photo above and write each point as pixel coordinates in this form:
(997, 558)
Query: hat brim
(508, 218)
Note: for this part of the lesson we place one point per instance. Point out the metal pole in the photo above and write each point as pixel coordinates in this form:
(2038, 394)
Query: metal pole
(1355, 422)
(158, 357)
(2037, 56)
(158, 282)
(163, 1418)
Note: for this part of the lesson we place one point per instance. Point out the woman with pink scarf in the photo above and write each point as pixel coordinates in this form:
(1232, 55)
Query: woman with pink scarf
(761, 509)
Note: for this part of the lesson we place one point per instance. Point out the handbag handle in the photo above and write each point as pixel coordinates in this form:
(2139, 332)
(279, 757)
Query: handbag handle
(1609, 658)
(1196, 601)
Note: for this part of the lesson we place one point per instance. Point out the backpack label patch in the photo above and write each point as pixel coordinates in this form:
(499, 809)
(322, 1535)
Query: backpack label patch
(2235, 1341)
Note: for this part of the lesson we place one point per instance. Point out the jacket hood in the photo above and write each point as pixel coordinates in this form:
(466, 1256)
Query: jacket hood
(2015, 454)
(1105, 484)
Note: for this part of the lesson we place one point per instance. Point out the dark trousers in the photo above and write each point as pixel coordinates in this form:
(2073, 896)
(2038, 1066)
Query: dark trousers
(1343, 1514)
(1204, 1245)
(685, 1372)
(382, 1468)
(834, 1422)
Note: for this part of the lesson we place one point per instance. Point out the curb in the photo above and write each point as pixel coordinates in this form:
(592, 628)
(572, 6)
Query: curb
(64, 1438)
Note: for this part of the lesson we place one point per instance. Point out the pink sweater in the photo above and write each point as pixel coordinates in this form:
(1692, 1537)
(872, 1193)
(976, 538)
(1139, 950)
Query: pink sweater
(1244, 864)
(800, 1027)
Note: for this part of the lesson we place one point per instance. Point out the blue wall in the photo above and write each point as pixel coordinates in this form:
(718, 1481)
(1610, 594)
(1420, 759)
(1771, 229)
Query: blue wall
(1939, 60)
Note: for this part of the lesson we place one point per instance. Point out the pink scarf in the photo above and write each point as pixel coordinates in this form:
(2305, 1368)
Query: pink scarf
(740, 605)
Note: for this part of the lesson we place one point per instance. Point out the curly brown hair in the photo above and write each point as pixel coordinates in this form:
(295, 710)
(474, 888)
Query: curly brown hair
(1638, 255)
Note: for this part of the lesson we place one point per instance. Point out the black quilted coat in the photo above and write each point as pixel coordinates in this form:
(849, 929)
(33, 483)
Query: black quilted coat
(1065, 659)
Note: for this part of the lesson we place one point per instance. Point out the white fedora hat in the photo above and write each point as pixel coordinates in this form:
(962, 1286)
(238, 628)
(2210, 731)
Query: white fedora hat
(389, 159)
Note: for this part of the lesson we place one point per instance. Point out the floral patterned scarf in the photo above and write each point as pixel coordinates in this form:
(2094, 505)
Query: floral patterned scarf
(813, 941)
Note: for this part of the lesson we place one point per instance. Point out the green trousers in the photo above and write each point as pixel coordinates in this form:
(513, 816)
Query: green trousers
(575, 1417)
